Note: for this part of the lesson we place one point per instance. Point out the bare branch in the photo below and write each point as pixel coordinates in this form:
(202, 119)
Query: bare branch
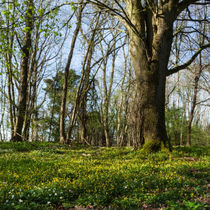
(184, 66)
(203, 101)
(184, 4)
(123, 18)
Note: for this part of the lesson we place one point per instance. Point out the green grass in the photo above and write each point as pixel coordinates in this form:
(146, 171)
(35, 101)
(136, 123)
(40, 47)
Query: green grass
(49, 176)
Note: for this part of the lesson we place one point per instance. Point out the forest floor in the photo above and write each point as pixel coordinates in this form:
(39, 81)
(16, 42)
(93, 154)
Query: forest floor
(52, 176)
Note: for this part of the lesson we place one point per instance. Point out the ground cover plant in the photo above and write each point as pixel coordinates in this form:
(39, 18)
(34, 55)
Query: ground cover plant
(53, 176)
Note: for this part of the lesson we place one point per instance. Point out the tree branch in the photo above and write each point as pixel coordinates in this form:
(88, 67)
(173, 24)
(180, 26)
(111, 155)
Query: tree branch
(184, 66)
(203, 101)
(184, 4)
(123, 18)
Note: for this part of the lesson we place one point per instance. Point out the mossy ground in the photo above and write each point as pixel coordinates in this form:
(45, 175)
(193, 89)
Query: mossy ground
(151, 147)
(52, 176)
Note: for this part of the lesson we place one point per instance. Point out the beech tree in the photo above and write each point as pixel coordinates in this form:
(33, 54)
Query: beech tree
(150, 27)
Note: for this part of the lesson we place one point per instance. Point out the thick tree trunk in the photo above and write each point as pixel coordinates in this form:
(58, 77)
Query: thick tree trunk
(150, 55)
(149, 108)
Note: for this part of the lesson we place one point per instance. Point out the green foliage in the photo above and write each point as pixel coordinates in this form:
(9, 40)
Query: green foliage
(200, 136)
(95, 127)
(14, 18)
(54, 86)
(176, 123)
(50, 122)
(188, 205)
(50, 176)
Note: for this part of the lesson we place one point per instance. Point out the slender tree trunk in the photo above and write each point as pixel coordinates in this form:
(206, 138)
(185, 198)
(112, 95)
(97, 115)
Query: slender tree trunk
(24, 68)
(193, 104)
(3, 108)
(107, 94)
(10, 95)
(66, 76)
(10, 42)
(32, 81)
(77, 100)
(183, 124)
(83, 102)
(86, 85)
(31, 100)
(120, 122)
(119, 114)
(35, 121)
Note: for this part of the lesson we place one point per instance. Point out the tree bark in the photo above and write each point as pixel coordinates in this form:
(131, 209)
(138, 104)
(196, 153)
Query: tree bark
(32, 81)
(120, 130)
(86, 84)
(24, 69)
(78, 97)
(193, 104)
(66, 76)
(150, 50)
(107, 95)
(9, 55)
(10, 86)
(150, 26)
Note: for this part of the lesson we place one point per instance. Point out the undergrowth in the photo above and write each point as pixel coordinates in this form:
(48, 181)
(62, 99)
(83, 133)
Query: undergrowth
(53, 176)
